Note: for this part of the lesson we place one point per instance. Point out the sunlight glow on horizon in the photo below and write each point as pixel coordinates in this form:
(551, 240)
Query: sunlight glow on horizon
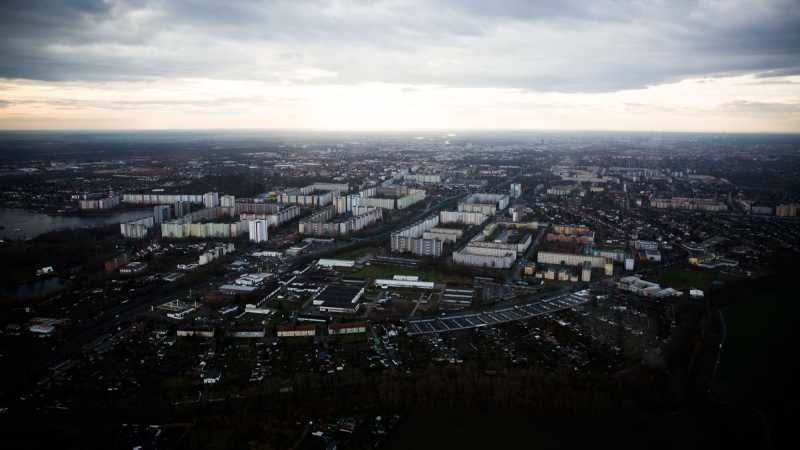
(738, 104)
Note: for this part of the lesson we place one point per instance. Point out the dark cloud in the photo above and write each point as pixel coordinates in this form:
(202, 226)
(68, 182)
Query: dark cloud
(536, 45)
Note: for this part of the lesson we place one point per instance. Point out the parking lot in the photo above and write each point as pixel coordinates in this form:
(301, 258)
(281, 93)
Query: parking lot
(496, 316)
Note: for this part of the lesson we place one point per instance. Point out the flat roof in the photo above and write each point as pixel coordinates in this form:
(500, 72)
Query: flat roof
(338, 295)
(236, 287)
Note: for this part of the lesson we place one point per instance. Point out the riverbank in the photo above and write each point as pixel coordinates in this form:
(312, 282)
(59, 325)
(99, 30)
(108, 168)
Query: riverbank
(22, 224)
(24, 291)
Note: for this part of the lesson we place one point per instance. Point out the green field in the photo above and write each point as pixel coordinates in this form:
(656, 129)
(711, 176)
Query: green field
(425, 274)
(354, 253)
(686, 277)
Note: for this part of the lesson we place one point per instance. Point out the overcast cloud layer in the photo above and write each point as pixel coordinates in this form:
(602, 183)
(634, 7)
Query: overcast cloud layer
(538, 45)
(89, 55)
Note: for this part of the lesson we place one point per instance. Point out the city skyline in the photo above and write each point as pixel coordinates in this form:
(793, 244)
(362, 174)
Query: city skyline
(688, 66)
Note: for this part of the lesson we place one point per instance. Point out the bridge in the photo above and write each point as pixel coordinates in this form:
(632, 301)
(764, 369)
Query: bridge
(513, 313)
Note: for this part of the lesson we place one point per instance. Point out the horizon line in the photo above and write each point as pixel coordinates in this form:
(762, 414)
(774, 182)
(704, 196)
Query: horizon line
(384, 131)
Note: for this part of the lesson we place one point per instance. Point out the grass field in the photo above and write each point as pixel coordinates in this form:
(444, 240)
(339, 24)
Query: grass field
(355, 253)
(686, 277)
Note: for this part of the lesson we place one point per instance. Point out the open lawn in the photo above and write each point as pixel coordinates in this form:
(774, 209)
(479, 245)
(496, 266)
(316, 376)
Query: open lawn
(355, 253)
(686, 277)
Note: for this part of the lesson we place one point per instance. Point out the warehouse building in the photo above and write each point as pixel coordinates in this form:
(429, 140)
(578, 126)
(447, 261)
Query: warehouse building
(345, 263)
(341, 329)
(339, 299)
(297, 331)
(457, 298)
(404, 281)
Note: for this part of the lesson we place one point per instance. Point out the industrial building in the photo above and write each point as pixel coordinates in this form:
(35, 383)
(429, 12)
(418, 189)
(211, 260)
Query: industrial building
(646, 288)
(340, 329)
(237, 289)
(133, 267)
(404, 281)
(345, 263)
(339, 299)
(456, 298)
(297, 330)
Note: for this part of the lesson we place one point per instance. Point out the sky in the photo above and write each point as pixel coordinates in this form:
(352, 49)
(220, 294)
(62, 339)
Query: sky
(670, 65)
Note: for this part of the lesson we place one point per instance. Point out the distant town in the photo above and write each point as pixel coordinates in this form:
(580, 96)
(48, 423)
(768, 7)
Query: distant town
(329, 288)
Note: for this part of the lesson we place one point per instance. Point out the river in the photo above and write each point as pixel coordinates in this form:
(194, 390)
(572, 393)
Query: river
(33, 289)
(23, 224)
